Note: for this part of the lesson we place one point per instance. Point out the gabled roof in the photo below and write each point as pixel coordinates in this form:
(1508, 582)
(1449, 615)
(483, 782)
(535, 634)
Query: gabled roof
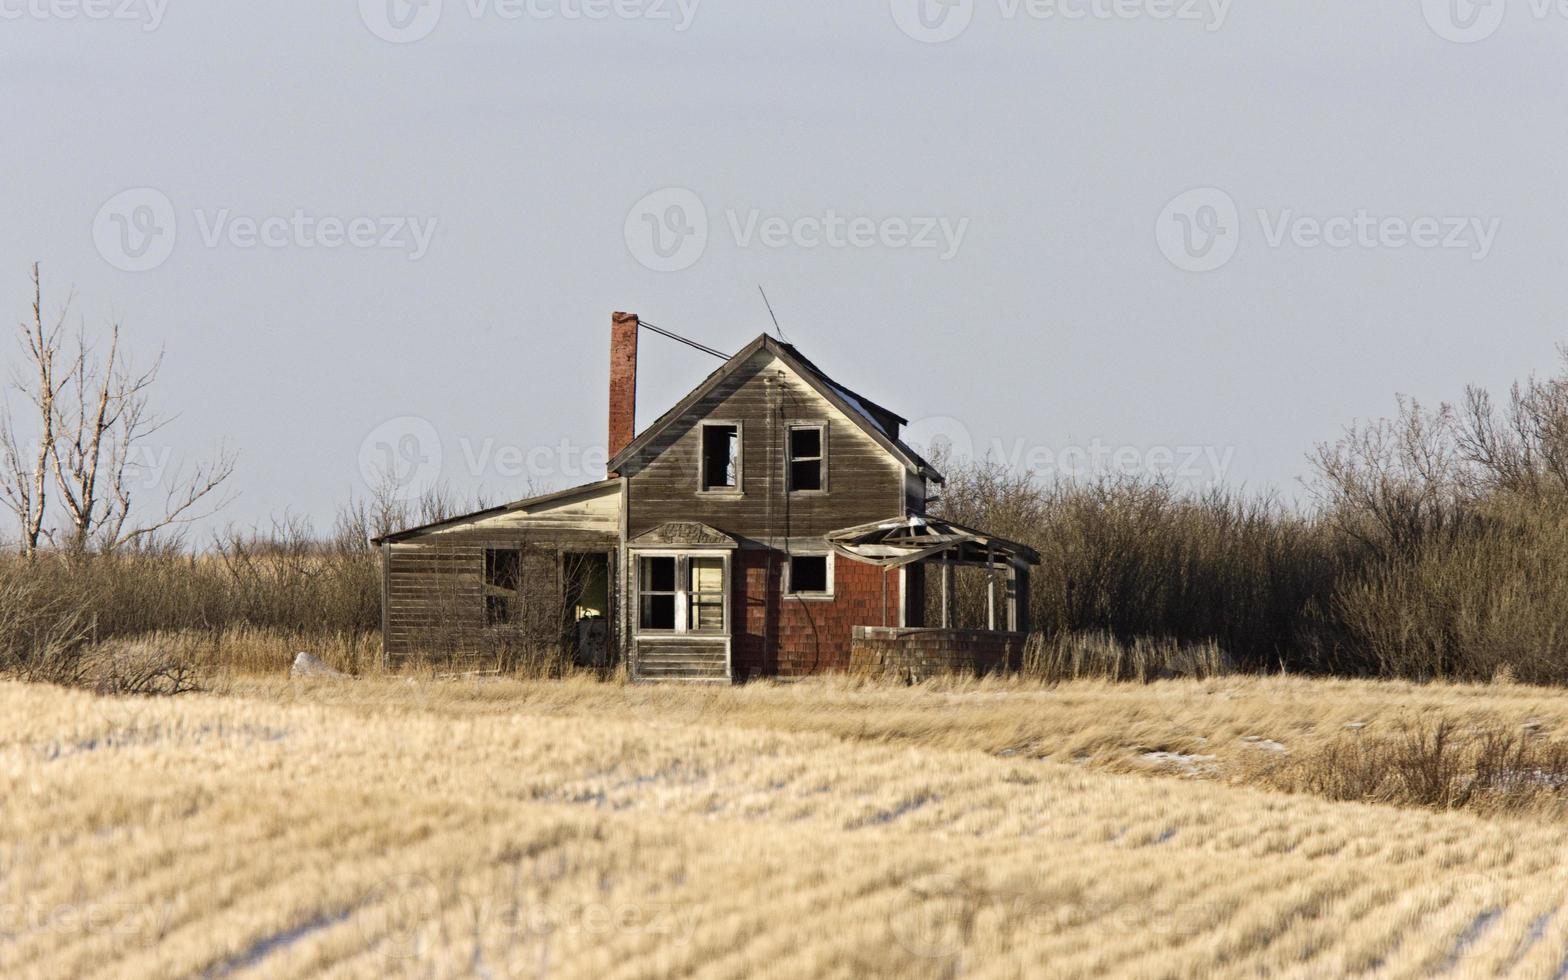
(479, 515)
(877, 422)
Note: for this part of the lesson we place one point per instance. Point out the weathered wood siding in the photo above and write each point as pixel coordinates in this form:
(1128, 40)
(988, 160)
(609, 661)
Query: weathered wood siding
(435, 595)
(864, 482)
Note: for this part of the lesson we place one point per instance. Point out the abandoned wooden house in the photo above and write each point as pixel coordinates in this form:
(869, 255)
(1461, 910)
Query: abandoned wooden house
(772, 523)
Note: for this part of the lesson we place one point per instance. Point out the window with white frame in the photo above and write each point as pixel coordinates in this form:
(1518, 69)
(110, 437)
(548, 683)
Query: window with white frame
(656, 592)
(809, 576)
(704, 595)
(807, 459)
(682, 593)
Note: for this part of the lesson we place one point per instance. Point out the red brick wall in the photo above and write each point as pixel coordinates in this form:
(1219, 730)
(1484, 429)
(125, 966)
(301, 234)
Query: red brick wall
(915, 654)
(779, 636)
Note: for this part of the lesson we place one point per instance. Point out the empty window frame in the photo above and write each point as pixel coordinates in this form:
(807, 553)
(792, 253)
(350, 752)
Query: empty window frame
(503, 572)
(681, 593)
(656, 592)
(720, 462)
(808, 470)
(810, 576)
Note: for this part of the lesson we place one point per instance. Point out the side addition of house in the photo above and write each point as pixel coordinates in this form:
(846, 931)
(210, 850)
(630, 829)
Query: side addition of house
(771, 523)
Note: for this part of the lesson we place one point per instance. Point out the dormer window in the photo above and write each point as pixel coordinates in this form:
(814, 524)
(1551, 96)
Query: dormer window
(807, 458)
(720, 457)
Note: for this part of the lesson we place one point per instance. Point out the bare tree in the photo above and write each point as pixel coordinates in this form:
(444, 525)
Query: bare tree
(1395, 483)
(1523, 449)
(102, 421)
(24, 471)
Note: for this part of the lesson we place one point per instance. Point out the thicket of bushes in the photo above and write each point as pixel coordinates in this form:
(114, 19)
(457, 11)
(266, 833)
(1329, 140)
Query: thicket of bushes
(62, 611)
(1437, 548)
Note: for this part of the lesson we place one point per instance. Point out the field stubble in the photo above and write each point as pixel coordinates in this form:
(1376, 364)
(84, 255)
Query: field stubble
(394, 826)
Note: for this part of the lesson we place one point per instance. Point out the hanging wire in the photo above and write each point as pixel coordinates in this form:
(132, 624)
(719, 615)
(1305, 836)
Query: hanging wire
(689, 343)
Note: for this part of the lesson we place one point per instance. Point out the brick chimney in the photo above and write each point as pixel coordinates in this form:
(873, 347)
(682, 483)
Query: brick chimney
(623, 381)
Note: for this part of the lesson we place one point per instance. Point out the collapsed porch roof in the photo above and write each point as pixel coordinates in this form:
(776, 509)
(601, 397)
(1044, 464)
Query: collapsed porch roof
(903, 540)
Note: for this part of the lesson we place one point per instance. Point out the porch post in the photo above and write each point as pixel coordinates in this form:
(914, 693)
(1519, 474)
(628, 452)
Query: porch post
(990, 587)
(947, 591)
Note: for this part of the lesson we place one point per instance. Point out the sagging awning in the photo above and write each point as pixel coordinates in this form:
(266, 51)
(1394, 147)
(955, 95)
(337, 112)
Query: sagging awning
(904, 540)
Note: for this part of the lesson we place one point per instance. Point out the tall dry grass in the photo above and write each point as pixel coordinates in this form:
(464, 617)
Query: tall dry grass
(381, 828)
(1059, 657)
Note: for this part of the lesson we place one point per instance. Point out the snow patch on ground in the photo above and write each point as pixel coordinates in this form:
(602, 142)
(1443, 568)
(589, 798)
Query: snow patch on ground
(1264, 744)
(1184, 762)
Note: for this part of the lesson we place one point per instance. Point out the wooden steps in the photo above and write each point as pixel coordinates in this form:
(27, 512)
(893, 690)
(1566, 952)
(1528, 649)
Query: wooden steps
(681, 664)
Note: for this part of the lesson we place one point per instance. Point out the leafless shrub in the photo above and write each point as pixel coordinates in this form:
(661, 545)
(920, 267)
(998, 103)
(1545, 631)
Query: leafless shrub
(1431, 764)
(152, 666)
(42, 631)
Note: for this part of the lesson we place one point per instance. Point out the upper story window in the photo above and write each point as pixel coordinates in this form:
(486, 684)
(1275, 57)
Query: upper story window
(720, 456)
(807, 458)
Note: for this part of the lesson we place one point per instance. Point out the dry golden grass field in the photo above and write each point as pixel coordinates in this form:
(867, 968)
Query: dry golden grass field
(497, 828)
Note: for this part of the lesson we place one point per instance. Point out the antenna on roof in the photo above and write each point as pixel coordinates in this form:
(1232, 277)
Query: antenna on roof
(776, 328)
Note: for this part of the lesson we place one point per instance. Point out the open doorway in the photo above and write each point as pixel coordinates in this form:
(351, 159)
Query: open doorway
(587, 606)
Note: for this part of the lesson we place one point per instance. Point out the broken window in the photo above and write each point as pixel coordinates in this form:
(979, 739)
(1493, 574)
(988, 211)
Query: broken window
(503, 571)
(805, 458)
(705, 595)
(720, 457)
(656, 593)
(810, 575)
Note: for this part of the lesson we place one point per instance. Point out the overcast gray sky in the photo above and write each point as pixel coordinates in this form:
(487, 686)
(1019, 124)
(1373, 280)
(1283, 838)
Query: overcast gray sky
(1055, 229)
